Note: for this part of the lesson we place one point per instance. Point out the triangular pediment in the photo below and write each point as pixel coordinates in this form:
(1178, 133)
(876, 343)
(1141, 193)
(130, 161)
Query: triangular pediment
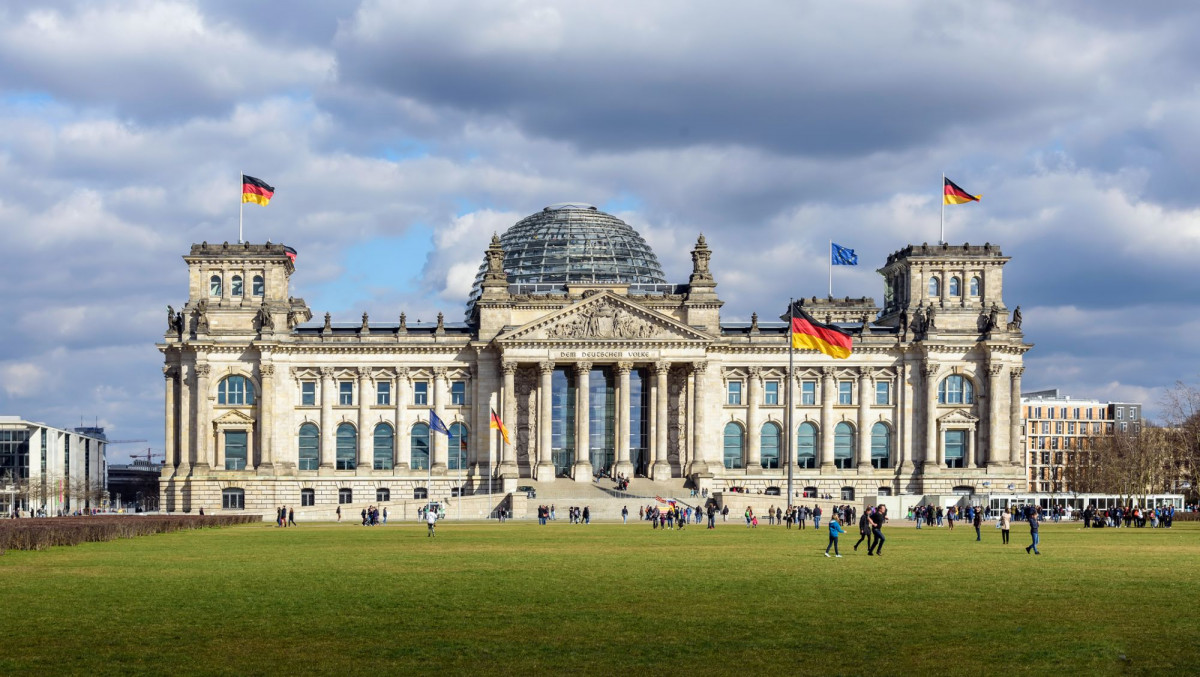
(958, 416)
(604, 317)
(233, 416)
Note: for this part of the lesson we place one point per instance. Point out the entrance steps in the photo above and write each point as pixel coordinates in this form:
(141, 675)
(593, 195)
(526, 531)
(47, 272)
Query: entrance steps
(602, 499)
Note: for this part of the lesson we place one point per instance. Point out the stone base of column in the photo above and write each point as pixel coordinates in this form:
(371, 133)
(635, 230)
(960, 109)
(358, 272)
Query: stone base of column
(829, 469)
(438, 469)
(183, 470)
(754, 469)
(506, 469)
(544, 472)
(401, 468)
(865, 469)
(998, 465)
(700, 468)
(930, 468)
(660, 471)
(201, 469)
(582, 472)
(907, 468)
(267, 468)
(624, 468)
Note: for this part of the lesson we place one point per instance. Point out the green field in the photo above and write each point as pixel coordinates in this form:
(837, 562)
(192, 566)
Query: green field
(604, 599)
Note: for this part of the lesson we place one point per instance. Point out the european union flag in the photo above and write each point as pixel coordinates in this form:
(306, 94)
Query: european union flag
(842, 256)
(436, 424)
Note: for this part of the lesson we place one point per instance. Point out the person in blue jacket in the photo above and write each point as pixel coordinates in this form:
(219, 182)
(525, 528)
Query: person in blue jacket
(835, 530)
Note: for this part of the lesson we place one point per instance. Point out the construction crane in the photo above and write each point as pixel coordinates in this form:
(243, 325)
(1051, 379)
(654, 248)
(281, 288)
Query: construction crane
(148, 456)
(123, 441)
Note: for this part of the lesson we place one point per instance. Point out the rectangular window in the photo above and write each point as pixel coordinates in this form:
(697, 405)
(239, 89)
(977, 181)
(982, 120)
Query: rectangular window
(383, 394)
(1095, 428)
(771, 392)
(1123, 426)
(345, 393)
(345, 496)
(1045, 458)
(845, 392)
(1058, 458)
(1045, 427)
(883, 392)
(235, 449)
(308, 498)
(1039, 413)
(308, 393)
(734, 393)
(458, 393)
(1071, 428)
(956, 448)
(808, 392)
(1076, 412)
(1120, 413)
(1058, 427)
(1051, 412)
(421, 392)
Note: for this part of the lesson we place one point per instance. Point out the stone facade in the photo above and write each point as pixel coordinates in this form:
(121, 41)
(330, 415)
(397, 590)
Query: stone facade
(260, 402)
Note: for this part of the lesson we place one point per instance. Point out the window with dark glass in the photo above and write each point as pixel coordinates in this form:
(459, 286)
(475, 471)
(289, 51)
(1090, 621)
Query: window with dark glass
(457, 458)
(419, 443)
(383, 446)
(806, 445)
(771, 392)
(308, 393)
(235, 390)
(258, 288)
(310, 447)
(458, 393)
(214, 285)
(347, 447)
(235, 449)
(421, 392)
(881, 445)
(770, 441)
(345, 393)
(383, 495)
(845, 392)
(808, 392)
(345, 496)
(235, 286)
(735, 393)
(733, 445)
(883, 392)
(383, 393)
(956, 448)
(956, 389)
(308, 498)
(233, 499)
(843, 445)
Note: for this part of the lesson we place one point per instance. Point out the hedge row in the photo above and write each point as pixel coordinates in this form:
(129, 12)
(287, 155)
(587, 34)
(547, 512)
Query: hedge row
(41, 533)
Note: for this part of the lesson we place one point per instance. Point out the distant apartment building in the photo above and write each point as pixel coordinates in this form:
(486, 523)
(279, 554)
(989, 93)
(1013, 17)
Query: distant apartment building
(1058, 427)
(49, 469)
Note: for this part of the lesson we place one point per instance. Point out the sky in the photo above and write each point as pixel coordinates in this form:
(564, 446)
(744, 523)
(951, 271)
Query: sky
(401, 135)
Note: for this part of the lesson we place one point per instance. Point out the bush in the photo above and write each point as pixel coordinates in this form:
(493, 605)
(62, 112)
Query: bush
(41, 533)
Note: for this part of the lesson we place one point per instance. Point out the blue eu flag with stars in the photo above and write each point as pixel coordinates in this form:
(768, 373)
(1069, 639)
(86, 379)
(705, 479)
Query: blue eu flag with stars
(842, 256)
(436, 424)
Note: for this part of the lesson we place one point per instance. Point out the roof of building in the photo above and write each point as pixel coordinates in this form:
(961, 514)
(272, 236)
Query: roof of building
(574, 243)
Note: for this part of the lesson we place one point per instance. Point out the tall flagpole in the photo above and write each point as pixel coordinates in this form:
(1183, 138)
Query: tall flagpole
(829, 253)
(942, 222)
(791, 446)
(241, 206)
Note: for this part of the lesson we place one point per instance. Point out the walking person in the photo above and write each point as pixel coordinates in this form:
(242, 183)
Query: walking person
(1032, 515)
(624, 514)
(817, 517)
(1005, 524)
(339, 513)
(976, 521)
(430, 521)
(877, 519)
(864, 530)
(835, 530)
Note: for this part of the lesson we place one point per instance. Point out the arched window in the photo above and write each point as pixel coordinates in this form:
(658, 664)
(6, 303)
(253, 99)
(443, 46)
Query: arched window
(806, 445)
(956, 389)
(955, 286)
(384, 437)
(347, 447)
(233, 499)
(235, 390)
(310, 447)
(771, 434)
(733, 445)
(258, 288)
(843, 445)
(235, 286)
(881, 446)
(457, 459)
(935, 286)
(420, 447)
(214, 285)
(976, 285)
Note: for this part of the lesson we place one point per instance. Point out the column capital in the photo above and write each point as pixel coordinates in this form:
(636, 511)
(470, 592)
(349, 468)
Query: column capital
(509, 367)
(327, 372)
(828, 372)
(440, 373)
(929, 369)
(662, 367)
(401, 372)
(203, 370)
(995, 368)
(170, 372)
(623, 368)
(699, 367)
(755, 371)
(266, 370)
(1015, 372)
(546, 366)
(583, 367)
(866, 372)
(363, 373)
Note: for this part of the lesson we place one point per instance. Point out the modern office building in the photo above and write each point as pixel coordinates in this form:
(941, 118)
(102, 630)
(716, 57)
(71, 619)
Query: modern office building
(50, 469)
(1060, 431)
(595, 363)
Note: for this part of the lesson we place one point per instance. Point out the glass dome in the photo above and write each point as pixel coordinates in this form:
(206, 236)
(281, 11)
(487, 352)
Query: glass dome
(570, 243)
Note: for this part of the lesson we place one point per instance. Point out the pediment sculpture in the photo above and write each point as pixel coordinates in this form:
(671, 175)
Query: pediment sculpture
(603, 320)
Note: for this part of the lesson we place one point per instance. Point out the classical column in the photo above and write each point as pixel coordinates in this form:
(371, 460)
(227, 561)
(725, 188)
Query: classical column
(700, 460)
(934, 457)
(403, 439)
(864, 420)
(545, 452)
(187, 442)
(204, 434)
(624, 467)
(366, 437)
(508, 455)
(753, 425)
(1015, 445)
(828, 392)
(662, 468)
(328, 439)
(582, 470)
(266, 420)
(170, 449)
(904, 417)
(440, 442)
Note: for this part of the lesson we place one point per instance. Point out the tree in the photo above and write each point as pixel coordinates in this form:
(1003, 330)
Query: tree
(1181, 407)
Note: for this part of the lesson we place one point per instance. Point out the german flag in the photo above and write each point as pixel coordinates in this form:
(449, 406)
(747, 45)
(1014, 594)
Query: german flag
(953, 195)
(808, 334)
(497, 424)
(256, 190)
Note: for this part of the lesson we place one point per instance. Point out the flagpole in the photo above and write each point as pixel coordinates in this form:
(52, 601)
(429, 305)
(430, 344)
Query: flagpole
(791, 447)
(830, 252)
(942, 221)
(241, 207)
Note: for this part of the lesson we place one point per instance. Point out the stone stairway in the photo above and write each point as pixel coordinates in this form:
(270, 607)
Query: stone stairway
(602, 499)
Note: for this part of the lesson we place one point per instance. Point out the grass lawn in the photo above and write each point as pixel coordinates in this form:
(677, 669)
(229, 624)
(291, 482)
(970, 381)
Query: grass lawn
(604, 599)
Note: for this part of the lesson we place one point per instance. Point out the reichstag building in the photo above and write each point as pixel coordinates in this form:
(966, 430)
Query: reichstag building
(596, 364)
